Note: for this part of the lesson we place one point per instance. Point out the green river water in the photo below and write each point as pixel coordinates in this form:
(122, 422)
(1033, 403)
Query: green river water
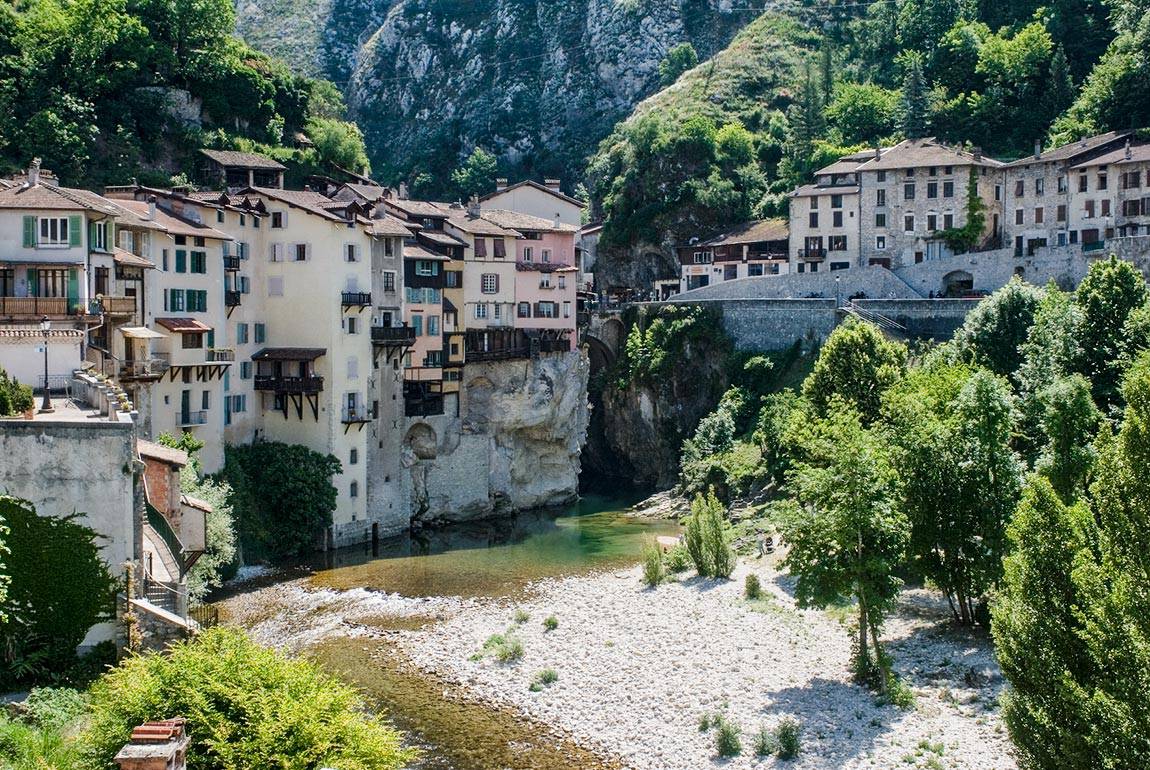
(492, 559)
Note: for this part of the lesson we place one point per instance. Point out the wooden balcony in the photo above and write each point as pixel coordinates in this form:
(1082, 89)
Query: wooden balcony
(35, 308)
(232, 264)
(118, 306)
(393, 335)
(231, 299)
(288, 385)
(813, 255)
(356, 299)
(137, 371)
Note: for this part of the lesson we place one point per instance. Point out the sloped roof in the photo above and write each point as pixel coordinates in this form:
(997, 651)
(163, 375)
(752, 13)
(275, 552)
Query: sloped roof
(809, 190)
(753, 232)
(308, 200)
(243, 160)
(171, 223)
(1071, 150)
(514, 220)
(418, 208)
(369, 192)
(415, 251)
(162, 453)
(542, 188)
(1139, 153)
(386, 225)
(53, 198)
(121, 257)
(441, 238)
(461, 220)
(916, 153)
(184, 325)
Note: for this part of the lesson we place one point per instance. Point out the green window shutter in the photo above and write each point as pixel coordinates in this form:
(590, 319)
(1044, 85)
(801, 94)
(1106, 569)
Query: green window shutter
(211, 338)
(29, 232)
(181, 261)
(75, 238)
(73, 288)
(33, 282)
(91, 235)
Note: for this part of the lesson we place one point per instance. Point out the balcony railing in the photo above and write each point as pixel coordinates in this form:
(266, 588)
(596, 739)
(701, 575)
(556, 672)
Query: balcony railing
(118, 305)
(1095, 246)
(36, 307)
(220, 355)
(184, 419)
(358, 414)
(231, 299)
(393, 335)
(356, 299)
(812, 255)
(232, 264)
(143, 370)
(288, 385)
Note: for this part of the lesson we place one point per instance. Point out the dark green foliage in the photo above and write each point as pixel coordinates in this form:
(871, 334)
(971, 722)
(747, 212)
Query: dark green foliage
(706, 538)
(855, 365)
(14, 398)
(968, 236)
(476, 176)
(282, 495)
(678, 60)
(915, 106)
(788, 738)
(59, 588)
(1049, 352)
(727, 740)
(1069, 422)
(778, 412)
(1111, 291)
(752, 587)
(658, 341)
(247, 707)
(994, 332)
(338, 142)
(863, 112)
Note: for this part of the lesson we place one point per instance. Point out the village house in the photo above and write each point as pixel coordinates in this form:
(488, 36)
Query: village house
(1116, 201)
(746, 251)
(232, 170)
(824, 218)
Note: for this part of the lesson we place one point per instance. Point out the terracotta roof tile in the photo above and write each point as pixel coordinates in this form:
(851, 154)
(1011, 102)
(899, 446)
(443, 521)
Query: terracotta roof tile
(515, 220)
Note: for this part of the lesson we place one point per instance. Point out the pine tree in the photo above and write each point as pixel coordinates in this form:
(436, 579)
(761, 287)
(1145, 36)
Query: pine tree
(1059, 93)
(807, 123)
(826, 71)
(915, 100)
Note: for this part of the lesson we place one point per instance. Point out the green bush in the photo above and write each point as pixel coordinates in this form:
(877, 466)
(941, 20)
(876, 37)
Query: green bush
(727, 741)
(505, 648)
(15, 398)
(653, 573)
(788, 739)
(547, 676)
(765, 743)
(752, 588)
(59, 588)
(550, 623)
(677, 559)
(707, 540)
(54, 707)
(248, 708)
(26, 746)
(521, 617)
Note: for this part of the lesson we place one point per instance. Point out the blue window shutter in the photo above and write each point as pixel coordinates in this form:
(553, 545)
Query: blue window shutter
(29, 232)
(73, 288)
(181, 261)
(75, 237)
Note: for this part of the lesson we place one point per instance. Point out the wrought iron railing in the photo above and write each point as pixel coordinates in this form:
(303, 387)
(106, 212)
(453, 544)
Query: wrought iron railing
(393, 334)
(356, 298)
(288, 385)
(184, 419)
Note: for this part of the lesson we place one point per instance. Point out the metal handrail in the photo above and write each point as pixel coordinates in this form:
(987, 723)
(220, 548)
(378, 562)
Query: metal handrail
(162, 527)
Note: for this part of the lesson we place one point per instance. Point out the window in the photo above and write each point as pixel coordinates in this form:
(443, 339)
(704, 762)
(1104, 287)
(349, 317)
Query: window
(453, 279)
(175, 300)
(840, 265)
(908, 223)
(931, 222)
(1019, 188)
(239, 403)
(908, 191)
(880, 242)
(567, 305)
(1039, 186)
(1062, 186)
(351, 252)
(932, 189)
(164, 261)
(1038, 215)
(192, 341)
(389, 247)
(998, 192)
(1061, 212)
(933, 171)
(181, 261)
(836, 218)
(524, 310)
(528, 254)
(243, 220)
(426, 267)
(880, 198)
(702, 257)
(241, 334)
(389, 280)
(245, 370)
(881, 176)
(301, 251)
(199, 242)
(909, 173)
(815, 203)
(948, 189)
(837, 243)
(261, 333)
(353, 457)
(562, 282)
(836, 201)
(813, 219)
(880, 220)
(277, 252)
(1102, 181)
(353, 490)
(206, 400)
(948, 170)
(498, 310)
(277, 220)
(1089, 210)
(417, 323)
(352, 325)
(51, 283)
(947, 221)
(1083, 183)
(1019, 216)
(197, 300)
(53, 231)
(1105, 207)
(481, 310)
(98, 240)
(545, 309)
(489, 283)
(219, 215)
(545, 281)
(199, 262)
(433, 326)
(433, 358)
(545, 255)
(481, 248)
(500, 248)
(245, 285)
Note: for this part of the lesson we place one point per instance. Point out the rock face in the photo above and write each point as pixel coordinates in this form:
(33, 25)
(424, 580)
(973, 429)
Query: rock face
(538, 82)
(515, 444)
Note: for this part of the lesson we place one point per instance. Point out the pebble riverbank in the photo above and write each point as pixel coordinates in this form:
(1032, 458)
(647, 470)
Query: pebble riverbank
(638, 667)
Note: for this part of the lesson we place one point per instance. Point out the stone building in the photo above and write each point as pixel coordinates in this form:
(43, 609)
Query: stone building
(824, 217)
(1118, 201)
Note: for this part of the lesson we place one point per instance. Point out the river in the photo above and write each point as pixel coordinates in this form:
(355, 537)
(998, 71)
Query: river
(482, 561)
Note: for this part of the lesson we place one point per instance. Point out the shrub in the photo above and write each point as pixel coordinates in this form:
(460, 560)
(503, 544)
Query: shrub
(521, 617)
(248, 708)
(765, 743)
(752, 588)
(705, 722)
(787, 738)
(547, 676)
(54, 707)
(25, 746)
(706, 538)
(653, 573)
(14, 397)
(505, 648)
(727, 742)
(550, 623)
(677, 559)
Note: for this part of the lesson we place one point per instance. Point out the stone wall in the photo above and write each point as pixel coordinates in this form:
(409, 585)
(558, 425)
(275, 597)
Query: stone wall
(514, 445)
(841, 284)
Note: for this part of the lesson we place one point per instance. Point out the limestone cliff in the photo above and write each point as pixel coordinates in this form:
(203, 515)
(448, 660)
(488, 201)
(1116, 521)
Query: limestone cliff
(514, 445)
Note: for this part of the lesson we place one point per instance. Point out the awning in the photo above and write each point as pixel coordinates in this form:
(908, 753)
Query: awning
(289, 354)
(128, 259)
(184, 325)
(141, 333)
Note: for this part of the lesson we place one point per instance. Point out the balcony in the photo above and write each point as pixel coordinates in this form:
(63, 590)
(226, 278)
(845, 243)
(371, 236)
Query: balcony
(1095, 246)
(231, 299)
(393, 335)
(150, 369)
(187, 419)
(359, 414)
(813, 255)
(288, 385)
(232, 264)
(35, 308)
(356, 299)
(118, 306)
(220, 355)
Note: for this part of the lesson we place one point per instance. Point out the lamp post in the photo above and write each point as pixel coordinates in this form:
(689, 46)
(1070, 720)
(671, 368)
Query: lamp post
(46, 407)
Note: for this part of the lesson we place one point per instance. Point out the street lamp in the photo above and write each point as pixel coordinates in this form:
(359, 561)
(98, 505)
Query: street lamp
(46, 407)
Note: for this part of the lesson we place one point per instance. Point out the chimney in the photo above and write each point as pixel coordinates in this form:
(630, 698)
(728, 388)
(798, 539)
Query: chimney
(551, 184)
(877, 152)
(156, 746)
(402, 195)
(307, 188)
(1037, 149)
(151, 208)
(501, 184)
(34, 172)
(1128, 148)
(473, 207)
(977, 152)
(556, 223)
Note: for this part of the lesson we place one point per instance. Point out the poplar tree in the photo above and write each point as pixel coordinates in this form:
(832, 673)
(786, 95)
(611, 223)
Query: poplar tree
(915, 100)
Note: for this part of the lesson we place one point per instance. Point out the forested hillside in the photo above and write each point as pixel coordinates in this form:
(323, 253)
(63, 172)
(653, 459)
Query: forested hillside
(107, 90)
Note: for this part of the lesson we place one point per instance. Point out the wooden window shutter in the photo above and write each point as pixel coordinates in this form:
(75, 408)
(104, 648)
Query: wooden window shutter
(33, 282)
(75, 238)
(497, 283)
(91, 235)
(73, 288)
(307, 251)
(29, 232)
